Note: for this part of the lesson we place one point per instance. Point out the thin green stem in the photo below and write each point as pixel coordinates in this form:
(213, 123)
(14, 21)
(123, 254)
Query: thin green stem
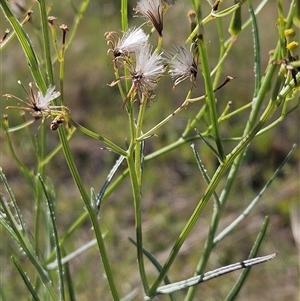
(46, 41)
(210, 99)
(236, 163)
(134, 161)
(124, 14)
(138, 218)
(138, 145)
(115, 148)
(56, 240)
(79, 17)
(222, 169)
(164, 121)
(92, 213)
(28, 49)
(234, 292)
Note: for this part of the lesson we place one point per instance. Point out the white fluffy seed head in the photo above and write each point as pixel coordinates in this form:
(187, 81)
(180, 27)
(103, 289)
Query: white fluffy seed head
(131, 41)
(43, 101)
(149, 66)
(153, 10)
(182, 65)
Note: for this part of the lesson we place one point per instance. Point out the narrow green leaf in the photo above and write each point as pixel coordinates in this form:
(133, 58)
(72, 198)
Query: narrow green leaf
(69, 279)
(237, 287)
(18, 214)
(46, 41)
(246, 264)
(155, 263)
(246, 212)
(108, 181)
(28, 49)
(56, 240)
(76, 253)
(26, 279)
(10, 224)
(256, 44)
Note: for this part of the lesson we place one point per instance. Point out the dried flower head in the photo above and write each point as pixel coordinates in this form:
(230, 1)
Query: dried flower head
(38, 104)
(145, 70)
(154, 11)
(131, 41)
(148, 68)
(56, 122)
(182, 65)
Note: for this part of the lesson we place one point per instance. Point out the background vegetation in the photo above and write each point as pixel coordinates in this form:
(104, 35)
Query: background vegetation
(172, 184)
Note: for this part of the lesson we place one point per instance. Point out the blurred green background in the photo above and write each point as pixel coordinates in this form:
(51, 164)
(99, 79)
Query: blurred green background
(172, 183)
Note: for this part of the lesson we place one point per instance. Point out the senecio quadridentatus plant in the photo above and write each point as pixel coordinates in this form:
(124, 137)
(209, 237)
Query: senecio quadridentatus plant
(138, 68)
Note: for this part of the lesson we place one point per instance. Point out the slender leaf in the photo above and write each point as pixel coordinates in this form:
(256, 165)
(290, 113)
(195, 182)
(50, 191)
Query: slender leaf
(56, 239)
(234, 292)
(26, 280)
(167, 289)
(256, 44)
(28, 49)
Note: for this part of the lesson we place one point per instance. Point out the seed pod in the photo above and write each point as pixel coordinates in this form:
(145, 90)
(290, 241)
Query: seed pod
(235, 26)
(192, 20)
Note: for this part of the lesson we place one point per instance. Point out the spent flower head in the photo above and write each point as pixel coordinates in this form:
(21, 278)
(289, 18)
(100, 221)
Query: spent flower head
(38, 105)
(145, 70)
(182, 65)
(131, 41)
(148, 68)
(154, 11)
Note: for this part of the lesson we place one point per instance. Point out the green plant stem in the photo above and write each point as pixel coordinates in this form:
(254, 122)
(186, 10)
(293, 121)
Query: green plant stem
(26, 280)
(26, 45)
(134, 161)
(46, 40)
(234, 292)
(78, 180)
(257, 103)
(185, 138)
(247, 211)
(54, 232)
(138, 219)
(79, 17)
(27, 247)
(41, 148)
(164, 121)
(124, 14)
(115, 148)
(138, 145)
(92, 213)
(210, 100)
(222, 169)
(217, 71)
